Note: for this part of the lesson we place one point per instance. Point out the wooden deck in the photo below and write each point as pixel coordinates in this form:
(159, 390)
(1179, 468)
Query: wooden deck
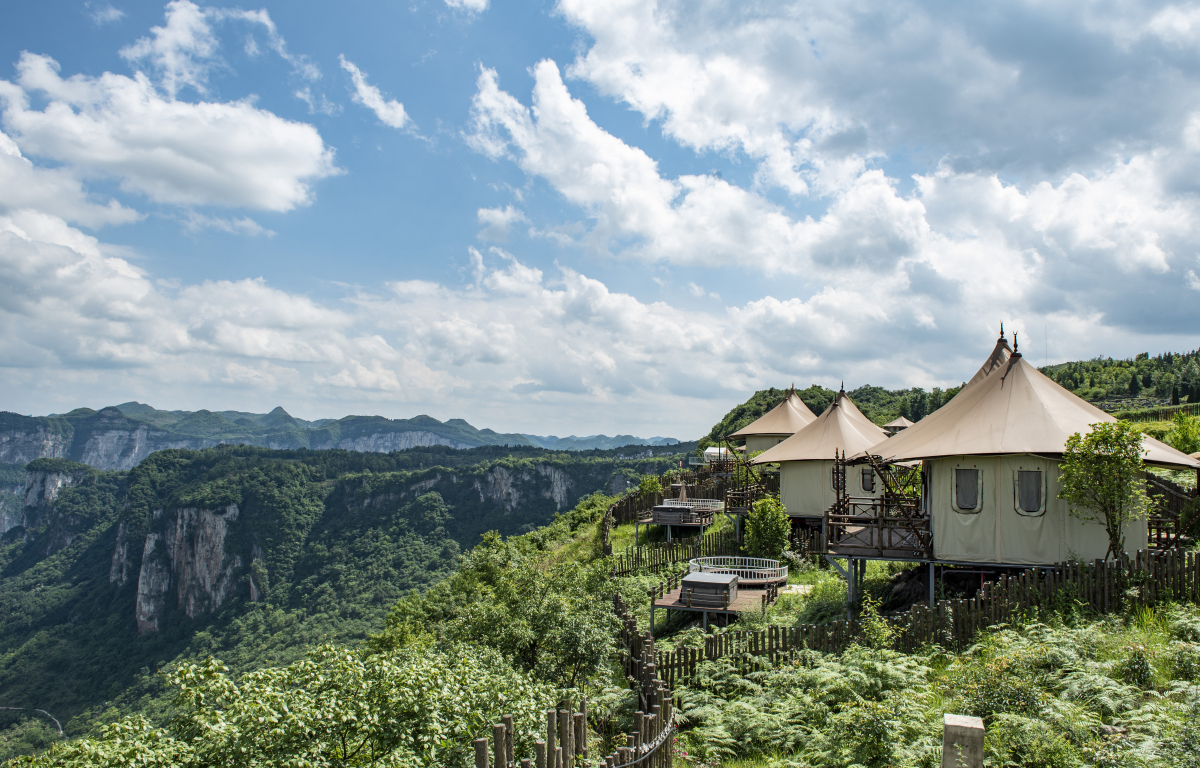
(747, 600)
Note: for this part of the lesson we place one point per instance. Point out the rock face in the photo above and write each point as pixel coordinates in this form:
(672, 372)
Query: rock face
(383, 442)
(32, 441)
(187, 557)
(502, 486)
(44, 527)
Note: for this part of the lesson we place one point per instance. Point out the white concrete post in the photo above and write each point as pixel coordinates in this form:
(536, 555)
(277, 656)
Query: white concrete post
(962, 741)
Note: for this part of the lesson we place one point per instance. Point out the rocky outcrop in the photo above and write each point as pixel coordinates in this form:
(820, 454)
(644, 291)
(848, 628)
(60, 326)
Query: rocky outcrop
(188, 557)
(497, 486)
(118, 570)
(154, 580)
(385, 442)
(41, 488)
(559, 489)
(124, 448)
(502, 486)
(33, 441)
(11, 512)
(44, 527)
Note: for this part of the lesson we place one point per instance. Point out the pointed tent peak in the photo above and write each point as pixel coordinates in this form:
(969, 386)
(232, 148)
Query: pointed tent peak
(1000, 355)
(1021, 412)
(898, 424)
(843, 428)
(784, 419)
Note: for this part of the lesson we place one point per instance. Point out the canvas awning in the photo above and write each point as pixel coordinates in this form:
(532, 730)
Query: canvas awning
(842, 427)
(787, 418)
(1013, 408)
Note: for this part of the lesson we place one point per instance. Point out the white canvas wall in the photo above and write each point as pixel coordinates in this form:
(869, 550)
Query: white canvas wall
(755, 443)
(806, 487)
(997, 533)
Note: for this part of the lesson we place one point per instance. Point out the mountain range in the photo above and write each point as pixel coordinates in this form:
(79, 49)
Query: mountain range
(121, 436)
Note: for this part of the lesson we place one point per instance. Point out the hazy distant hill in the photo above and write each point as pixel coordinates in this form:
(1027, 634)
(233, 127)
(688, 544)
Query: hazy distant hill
(594, 442)
(120, 437)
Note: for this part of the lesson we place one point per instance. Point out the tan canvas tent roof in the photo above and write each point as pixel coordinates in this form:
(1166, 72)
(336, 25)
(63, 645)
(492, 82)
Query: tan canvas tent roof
(787, 418)
(841, 427)
(900, 423)
(1011, 409)
(998, 358)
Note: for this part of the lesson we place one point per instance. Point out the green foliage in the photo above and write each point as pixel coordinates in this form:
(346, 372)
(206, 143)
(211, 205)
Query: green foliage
(56, 465)
(1051, 696)
(1158, 377)
(1184, 434)
(876, 630)
(12, 475)
(1102, 479)
(649, 485)
(551, 620)
(878, 404)
(767, 528)
(327, 552)
(415, 706)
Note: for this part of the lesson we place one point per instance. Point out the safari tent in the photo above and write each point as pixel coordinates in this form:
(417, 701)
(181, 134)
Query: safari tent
(776, 425)
(806, 458)
(895, 425)
(991, 468)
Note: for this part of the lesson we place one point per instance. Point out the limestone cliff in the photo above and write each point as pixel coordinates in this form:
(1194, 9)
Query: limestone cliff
(44, 525)
(187, 556)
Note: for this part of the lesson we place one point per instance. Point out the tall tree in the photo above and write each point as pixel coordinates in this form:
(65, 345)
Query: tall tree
(1103, 479)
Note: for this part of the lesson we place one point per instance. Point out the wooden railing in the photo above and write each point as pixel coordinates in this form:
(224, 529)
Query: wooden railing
(1102, 586)
(662, 554)
(863, 527)
(1164, 524)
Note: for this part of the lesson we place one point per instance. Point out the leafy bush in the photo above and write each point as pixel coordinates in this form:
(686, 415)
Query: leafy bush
(417, 706)
(1023, 742)
(767, 528)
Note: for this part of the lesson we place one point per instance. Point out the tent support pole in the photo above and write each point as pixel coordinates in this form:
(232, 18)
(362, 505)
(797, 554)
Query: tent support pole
(930, 582)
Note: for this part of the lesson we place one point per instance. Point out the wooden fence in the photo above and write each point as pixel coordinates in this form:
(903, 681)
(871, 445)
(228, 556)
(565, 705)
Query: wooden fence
(1166, 413)
(648, 745)
(705, 483)
(662, 554)
(1103, 586)
(1163, 527)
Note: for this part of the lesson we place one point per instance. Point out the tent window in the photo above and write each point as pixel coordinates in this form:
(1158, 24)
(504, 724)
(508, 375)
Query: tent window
(966, 490)
(868, 480)
(1029, 492)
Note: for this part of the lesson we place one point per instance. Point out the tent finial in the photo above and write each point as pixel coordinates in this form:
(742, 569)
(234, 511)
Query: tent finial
(1014, 342)
(1001, 330)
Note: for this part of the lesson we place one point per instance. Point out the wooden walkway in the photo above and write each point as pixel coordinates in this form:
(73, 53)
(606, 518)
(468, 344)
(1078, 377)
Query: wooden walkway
(747, 600)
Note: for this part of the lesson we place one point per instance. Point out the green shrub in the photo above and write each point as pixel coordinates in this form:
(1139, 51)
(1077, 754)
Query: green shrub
(767, 528)
(1022, 742)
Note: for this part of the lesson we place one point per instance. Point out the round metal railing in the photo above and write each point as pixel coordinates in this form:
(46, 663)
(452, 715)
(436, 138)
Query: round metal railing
(749, 570)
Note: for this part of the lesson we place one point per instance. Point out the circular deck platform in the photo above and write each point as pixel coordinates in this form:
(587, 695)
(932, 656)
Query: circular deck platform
(752, 572)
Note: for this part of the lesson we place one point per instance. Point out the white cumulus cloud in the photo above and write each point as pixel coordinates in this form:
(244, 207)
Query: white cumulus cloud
(206, 153)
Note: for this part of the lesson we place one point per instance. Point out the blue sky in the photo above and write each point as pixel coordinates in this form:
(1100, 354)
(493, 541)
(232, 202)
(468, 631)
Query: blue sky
(580, 216)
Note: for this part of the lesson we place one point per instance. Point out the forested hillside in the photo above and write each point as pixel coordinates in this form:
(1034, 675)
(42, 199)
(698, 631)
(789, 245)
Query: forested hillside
(878, 404)
(1167, 377)
(250, 554)
(526, 622)
(1141, 381)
